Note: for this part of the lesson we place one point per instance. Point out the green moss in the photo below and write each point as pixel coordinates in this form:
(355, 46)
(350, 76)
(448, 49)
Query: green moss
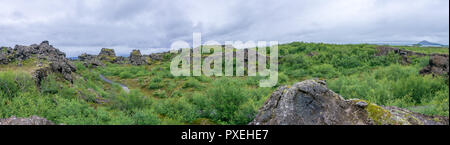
(108, 58)
(408, 118)
(427, 50)
(135, 52)
(203, 121)
(108, 50)
(30, 61)
(379, 115)
(436, 119)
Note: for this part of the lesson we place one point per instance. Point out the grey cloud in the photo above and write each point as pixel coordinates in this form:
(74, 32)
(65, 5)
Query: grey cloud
(87, 25)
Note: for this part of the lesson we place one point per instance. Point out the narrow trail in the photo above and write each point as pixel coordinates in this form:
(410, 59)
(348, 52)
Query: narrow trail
(125, 88)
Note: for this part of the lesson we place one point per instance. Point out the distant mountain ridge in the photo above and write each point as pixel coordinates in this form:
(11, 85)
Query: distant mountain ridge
(425, 43)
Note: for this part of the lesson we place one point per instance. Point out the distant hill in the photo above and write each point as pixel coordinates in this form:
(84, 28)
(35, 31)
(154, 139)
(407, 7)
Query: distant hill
(427, 43)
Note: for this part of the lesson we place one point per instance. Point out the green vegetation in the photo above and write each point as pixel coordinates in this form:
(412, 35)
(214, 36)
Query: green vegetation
(395, 85)
(157, 97)
(427, 50)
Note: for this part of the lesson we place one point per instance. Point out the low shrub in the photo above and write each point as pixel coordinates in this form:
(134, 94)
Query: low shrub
(146, 117)
(50, 85)
(11, 84)
(395, 85)
(177, 109)
(132, 100)
(125, 75)
(324, 71)
(156, 83)
(192, 83)
(160, 94)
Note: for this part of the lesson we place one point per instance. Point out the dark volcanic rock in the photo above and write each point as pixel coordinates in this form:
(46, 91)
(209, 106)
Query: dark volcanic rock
(90, 60)
(39, 75)
(64, 66)
(107, 55)
(438, 65)
(85, 56)
(46, 49)
(136, 58)
(44, 52)
(312, 103)
(33, 120)
(107, 52)
(6, 55)
(3, 59)
(309, 103)
(58, 61)
(156, 56)
(121, 60)
(384, 50)
(24, 52)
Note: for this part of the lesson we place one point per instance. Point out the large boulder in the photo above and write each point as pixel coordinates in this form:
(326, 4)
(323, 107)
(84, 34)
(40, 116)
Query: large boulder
(46, 49)
(64, 66)
(107, 55)
(438, 65)
(58, 62)
(136, 58)
(107, 52)
(312, 103)
(33, 120)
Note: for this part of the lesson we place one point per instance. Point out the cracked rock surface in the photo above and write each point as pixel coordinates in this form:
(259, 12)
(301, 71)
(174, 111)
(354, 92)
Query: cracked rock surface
(33, 120)
(311, 103)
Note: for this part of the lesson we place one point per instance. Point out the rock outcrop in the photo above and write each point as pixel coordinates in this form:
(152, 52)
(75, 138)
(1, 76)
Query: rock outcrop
(121, 60)
(312, 103)
(85, 57)
(90, 60)
(136, 58)
(33, 120)
(384, 50)
(58, 62)
(107, 55)
(156, 56)
(50, 58)
(438, 65)
(6, 55)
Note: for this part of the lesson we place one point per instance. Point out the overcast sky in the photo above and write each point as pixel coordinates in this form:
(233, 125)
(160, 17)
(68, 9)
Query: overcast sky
(77, 26)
